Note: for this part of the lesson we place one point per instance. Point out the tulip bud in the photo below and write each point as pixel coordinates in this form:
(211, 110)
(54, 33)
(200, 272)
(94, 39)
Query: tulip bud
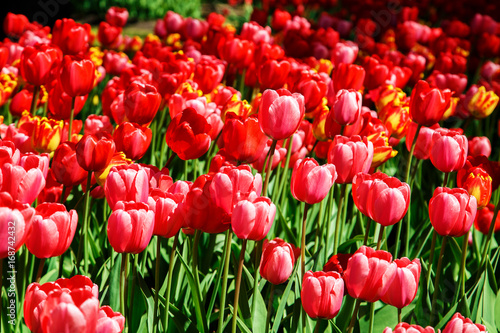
(126, 183)
(71, 37)
(277, 260)
(38, 62)
(322, 294)
(117, 16)
(310, 181)
(168, 221)
(427, 105)
(350, 156)
(65, 166)
(448, 149)
(243, 140)
(403, 287)
(77, 75)
(94, 153)
(252, 220)
(347, 107)
(477, 182)
(480, 145)
(133, 139)
(273, 74)
(141, 102)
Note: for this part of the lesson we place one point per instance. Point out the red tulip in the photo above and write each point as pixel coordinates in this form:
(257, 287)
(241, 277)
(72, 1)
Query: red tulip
(141, 102)
(322, 294)
(132, 139)
(350, 156)
(130, 227)
(208, 73)
(95, 124)
(424, 140)
(277, 260)
(38, 62)
(117, 16)
(310, 181)
(459, 324)
(71, 37)
(347, 107)
(108, 35)
(22, 102)
(407, 328)
(448, 149)
(60, 104)
(369, 274)
(452, 211)
(382, 198)
(109, 321)
(77, 76)
(243, 140)
(480, 145)
(273, 74)
(253, 219)
(484, 218)
(15, 224)
(427, 105)
(52, 231)
(94, 153)
(187, 135)
(65, 166)
(126, 183)
(9, 153)
(15, 24)
(313, 88)
(168, 221)
(348, 76)
(23, 184)
(403, 288)
(280, 113)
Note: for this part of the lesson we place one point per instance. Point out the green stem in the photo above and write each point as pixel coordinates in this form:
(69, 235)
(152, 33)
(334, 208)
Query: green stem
(134, 276)
(281, 198)
(436, 281)
(40, 269)
(269, 308)
(71, 115)
(227, 254)
(329, 205)
(258, 247)
(153, 142)
(269, 166)
(123, 279)
(238, 284)
(34, 100)
(367, 231)
(400, 319)
(171, 265)
(170, 159)
(339, 213)
(316, 327)
(354, 316)
(372, 317)
(303, 242)
(431, 258)
(380, 237)
(462, 264)
(486, 248)
(157, 283)
(86, 225)
(407, 176)
(319, 229)
(445, 180)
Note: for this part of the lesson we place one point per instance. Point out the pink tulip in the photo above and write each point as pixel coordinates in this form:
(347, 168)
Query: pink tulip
(24, 185)
(126, 183)
(403, 288)
(310, 181)
(277, 260)
(448, 149)
(350, 156)
(252, 220)
(109, 321)
(460, 324)
(322, 294)
(15, 224)
(407, 328)
(168, 221)
(480, 145)
(347, 107)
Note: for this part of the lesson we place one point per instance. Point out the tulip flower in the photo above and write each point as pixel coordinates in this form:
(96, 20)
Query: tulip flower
(9, 153)
(71, 37)
(484, 218)
(347, 107)
(23, 185)
(427, 105)
(208, 73)
(60, 104)
(46, 134)
(452, 211)
(243, 140)
(108, 35)
(273, 74)
(480, 145)
(65, 166)
(95, 124)
(117, 16)
(348, 76)
(350, 156)
(132, 139)
(382, 198)
(403, 287)
(313, 88)
(253, 220)
(477, 182)
(168, 221)
(94, 153)
(337, 263)
(280, 113)
(322, 294)
(53, 230)
(310, 181)
(38, 62)
(187, 135)
(77, 75)
(459, 323)
(15, 224)
(109, 321)
(141, 102)
(407, 328)
(482, 103)
(15, 24)
(448, 149)
(126, 183)
(424, 140)
(130, 227)
(277, 260)
(369, 274)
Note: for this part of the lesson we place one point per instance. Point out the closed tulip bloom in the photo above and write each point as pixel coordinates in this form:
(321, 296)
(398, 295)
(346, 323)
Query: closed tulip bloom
(322, 294)
(77, 75)
(46, 135)
(65, 167)
(480, 145)
(452, 211)
(347, 107)
(484, 218)
(310, 181)
(60, 104)
(350, 156)
(403, 288)
(424, 140)
(133, 139)
(117, 16)
(369, 274)
(280, 113)
(108, 34)
(71, 37)
(126, 183)
(141, 102)
(37, 63)
(382, 198)
(187, 135)
(15, 224)
(168, 221)
(52, 231)
(407, 328)
(427, 105)
(94, 153)
(208, 73)
(253, 219)
(477, 182)
(277, 260)
(244, 140)
(15, 24)
(348, 76)
(460, 324)
(109, 321)
(130, 227)
(23, 185)
(273, 74)
(95, 124)
(482, 103)
(448, 149)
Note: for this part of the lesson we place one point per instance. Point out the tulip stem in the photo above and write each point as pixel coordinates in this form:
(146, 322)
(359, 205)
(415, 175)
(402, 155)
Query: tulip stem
(269, 165)
(258, 247)
(436, 281)
(123, 279)
(34, 100)
(157, 282)
(40, 269)
(462, 265)
(372, 317)
(303, 242)
(339, 213)
(269, 308)
(170, 159)
(486, 248)
(316, 327)
(284, 177)
(354, 316)
(227, 255)
(431, 257)
(328, 221)
(380, 237)
(367, 231)
(400, 319)
(171, 265)
(238, 284)
(86, 225)
(445, 180)
(71, 115)
(408, 168)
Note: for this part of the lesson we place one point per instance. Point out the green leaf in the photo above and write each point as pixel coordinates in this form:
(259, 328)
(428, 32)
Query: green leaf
(240, 322)
(260, 315)
(149, 302)
(497, 310)
(284, 298)
(114, 282)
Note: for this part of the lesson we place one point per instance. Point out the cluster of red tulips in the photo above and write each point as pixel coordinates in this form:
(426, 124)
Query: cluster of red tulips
(291, 136)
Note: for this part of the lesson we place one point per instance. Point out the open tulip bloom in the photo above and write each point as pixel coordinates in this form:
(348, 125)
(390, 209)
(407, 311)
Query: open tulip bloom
(332, 168)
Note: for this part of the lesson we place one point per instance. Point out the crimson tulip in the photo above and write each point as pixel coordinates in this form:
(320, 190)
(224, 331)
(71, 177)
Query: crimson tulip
(141, 102)
(480, 145)
(448, 149)
(350, 156)
(452, 211)
(348, 76)
(407, 328)
(15, 24)
(71, 37)
(322, 294)
(38, 62)
(60, 104)
(424, 140)
(130, 226)
(208, 73)
(95, 124)
(52, 231)
(117, 16)
(94, 153)
(108, 35)
(369, 274)
(253, 219)
(77, 75)
(311, 182)
(132, 139)
(484, 218)
(427, 105)
(243, 140)
(65, 166)
(277, 260)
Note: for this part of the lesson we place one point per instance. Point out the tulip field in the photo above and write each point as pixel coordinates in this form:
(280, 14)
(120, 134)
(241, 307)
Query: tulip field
(324, 166)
